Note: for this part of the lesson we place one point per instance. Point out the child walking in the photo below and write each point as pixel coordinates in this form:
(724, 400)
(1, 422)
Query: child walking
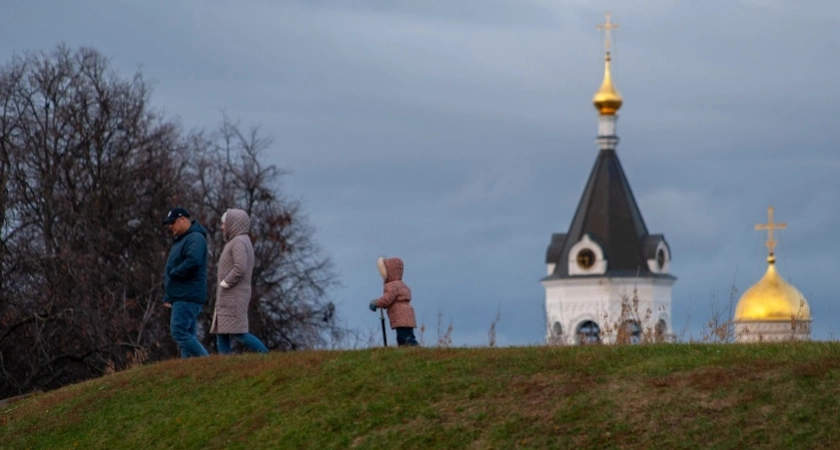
(395, 299)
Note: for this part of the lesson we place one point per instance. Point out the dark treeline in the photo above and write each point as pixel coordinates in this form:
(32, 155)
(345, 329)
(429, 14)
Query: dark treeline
(89, 169)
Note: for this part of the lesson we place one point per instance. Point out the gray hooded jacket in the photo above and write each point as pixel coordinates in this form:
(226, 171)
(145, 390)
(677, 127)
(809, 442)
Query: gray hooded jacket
(235, 266)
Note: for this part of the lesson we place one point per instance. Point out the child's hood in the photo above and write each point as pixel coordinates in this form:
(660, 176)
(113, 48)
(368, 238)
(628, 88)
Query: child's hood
(391, 269)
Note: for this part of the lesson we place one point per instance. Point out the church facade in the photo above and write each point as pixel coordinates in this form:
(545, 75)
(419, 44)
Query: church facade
(608, 279)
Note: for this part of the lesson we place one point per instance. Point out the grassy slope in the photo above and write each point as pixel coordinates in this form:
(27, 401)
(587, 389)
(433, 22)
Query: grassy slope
(652, 396)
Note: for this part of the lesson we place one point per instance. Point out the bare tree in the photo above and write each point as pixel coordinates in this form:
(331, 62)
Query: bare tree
(88, 170)
(289, 306)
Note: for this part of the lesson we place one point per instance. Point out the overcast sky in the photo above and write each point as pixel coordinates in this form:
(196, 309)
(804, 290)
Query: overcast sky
(458, 134)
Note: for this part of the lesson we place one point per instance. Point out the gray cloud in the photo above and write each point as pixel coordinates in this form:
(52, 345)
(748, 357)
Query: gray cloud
(459, 134)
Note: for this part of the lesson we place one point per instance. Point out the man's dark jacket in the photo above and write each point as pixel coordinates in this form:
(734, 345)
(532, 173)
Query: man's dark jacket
(185, 275)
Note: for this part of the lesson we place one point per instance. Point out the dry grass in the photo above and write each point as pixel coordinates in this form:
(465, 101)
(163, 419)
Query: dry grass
(650, 396)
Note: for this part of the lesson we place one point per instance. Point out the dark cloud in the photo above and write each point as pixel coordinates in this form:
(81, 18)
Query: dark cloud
(459, 134)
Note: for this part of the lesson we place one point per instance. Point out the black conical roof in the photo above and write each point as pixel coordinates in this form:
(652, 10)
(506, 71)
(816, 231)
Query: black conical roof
(608, 213)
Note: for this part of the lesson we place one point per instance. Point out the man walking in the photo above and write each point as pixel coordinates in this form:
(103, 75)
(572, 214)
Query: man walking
(185, 280)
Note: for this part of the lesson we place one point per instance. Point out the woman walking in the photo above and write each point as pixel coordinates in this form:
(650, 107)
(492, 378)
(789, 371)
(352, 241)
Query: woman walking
(230, 317)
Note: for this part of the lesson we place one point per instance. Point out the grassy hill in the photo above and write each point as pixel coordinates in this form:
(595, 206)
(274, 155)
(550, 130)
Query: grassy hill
(651, 396)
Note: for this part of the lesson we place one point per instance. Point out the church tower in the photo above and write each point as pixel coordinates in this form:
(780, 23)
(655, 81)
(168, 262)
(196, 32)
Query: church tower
(608, 278)
(772, 309)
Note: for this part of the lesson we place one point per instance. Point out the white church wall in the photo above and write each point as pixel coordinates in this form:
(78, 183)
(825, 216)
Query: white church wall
(573, 301)
(771, 331)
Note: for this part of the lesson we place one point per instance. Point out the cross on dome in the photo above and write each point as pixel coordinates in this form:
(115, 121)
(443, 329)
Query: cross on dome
(607, 26)
(770, 226)
(607, 99)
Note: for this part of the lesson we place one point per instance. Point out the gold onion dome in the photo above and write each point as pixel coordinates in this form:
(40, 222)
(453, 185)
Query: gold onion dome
(607, 100)
(772, 299)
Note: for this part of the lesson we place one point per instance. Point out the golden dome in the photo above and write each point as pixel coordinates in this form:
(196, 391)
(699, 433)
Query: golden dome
(772, 299)
(607, 100)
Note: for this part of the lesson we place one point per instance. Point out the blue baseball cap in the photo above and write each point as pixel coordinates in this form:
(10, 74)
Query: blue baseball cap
(174, 214)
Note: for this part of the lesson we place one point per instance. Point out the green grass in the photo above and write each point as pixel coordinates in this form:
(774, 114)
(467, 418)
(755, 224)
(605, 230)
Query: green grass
(650, 396)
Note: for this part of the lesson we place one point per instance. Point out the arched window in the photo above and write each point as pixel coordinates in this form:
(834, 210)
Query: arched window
(557, 329)
(630, 332)
(588, 332)
(660, 330)
(660, 258)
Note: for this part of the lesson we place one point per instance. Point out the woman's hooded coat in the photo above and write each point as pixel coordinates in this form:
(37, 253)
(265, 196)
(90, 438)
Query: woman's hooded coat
(235, 266)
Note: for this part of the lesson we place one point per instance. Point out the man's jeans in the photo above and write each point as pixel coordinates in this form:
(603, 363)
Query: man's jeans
(246, 339)
(182, 324)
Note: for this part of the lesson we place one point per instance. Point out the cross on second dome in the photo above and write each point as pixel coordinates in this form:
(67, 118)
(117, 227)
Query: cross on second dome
(770, 226)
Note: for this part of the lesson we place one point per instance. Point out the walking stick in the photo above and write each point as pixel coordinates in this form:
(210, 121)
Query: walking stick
(382, 321)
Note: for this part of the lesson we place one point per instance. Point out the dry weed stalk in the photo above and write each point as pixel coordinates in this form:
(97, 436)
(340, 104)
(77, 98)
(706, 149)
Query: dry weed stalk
(720, 328)
(444, 339)
(492, 333)
(422, 334)
(632, 326)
